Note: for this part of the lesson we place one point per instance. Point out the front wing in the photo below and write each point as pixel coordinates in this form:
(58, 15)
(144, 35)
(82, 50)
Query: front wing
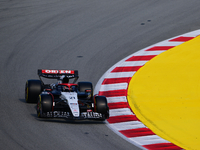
(68, 115)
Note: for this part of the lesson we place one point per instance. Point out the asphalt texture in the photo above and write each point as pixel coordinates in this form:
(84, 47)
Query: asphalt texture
(89, 36)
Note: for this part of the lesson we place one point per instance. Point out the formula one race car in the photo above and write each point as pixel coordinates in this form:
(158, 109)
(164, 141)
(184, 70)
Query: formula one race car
(63, 99)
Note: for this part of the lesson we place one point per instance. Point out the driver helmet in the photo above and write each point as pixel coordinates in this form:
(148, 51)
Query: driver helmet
(66, 89)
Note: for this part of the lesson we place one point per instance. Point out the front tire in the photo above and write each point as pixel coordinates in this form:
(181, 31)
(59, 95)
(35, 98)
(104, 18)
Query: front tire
(101, 106)
(44, 105)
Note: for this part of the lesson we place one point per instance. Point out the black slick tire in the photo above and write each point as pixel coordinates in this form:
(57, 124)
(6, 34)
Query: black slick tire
(44, 105)
(101, 104)
(83, 86)
(32, 90)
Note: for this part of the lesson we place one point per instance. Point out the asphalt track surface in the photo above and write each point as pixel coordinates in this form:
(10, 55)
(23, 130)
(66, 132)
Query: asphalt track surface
(90, 36)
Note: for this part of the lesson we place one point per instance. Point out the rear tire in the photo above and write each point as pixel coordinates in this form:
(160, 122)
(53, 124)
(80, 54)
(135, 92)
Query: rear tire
(83, 86)
(32, 90)
(45, 104)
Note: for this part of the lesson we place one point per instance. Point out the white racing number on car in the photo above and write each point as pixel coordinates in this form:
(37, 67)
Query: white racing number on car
(72, 100)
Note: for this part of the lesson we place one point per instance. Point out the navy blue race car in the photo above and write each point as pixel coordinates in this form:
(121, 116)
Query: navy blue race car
(63, 99)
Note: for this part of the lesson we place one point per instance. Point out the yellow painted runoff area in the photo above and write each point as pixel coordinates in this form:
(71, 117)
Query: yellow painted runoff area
(165, 94)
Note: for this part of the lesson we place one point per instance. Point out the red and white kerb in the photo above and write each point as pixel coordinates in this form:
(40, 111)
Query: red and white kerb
(114, 85)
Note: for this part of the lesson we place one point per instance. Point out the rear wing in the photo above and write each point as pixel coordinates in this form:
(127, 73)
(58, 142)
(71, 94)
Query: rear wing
(58, 74)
